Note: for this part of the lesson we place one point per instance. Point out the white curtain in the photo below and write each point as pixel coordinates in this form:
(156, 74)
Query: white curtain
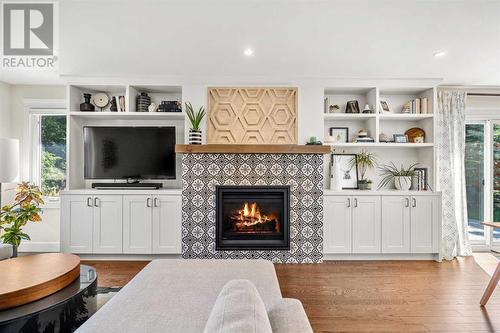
(450, 140)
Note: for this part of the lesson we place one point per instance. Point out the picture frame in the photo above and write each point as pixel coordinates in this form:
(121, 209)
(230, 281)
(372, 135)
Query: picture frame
(348, 175)
(400, 138)
(384, 106)
(339, 134)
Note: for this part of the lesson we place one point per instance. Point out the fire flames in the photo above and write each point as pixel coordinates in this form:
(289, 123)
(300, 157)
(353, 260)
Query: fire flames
(250, 218)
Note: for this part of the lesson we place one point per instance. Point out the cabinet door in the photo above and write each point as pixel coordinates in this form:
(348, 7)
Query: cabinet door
(78, 221)
(167, 224)
(337, 224)
(108, 224)
(424, 224)
(366, 228)
(395, 224)
(137, 223)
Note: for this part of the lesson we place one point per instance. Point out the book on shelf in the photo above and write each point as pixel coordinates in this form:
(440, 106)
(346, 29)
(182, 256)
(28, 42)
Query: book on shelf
(420, 180)
(424, 105)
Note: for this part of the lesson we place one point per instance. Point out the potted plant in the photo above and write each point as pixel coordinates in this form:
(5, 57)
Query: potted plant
(14, 217)
(365, 161)
(195, 117)
(402, 177)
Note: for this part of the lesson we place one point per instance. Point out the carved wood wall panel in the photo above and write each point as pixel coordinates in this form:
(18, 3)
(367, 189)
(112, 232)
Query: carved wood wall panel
(252, 115)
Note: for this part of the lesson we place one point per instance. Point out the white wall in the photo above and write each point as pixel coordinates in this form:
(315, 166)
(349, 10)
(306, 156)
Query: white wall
(5, 112)
(44, 235)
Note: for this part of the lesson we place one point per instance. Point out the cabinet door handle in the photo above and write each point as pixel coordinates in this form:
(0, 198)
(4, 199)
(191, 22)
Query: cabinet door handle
(156, 202)
(96, 202)
(348, 202)
(414, 202)
(89, 201)
(407, 202)
(148, 202)
(355, 202)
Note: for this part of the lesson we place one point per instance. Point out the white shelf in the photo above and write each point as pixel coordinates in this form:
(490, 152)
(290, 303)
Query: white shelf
(404, 116)
(378, 192)
(379, 145)
(348, 116)
(129, 115)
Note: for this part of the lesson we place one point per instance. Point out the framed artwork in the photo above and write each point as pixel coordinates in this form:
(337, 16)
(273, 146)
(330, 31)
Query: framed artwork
(348, 173)
(384, 107)
(339, 134)
(400, 138)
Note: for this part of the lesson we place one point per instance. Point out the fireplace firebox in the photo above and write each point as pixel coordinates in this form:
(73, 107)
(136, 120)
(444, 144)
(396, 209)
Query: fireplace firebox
(253, 218)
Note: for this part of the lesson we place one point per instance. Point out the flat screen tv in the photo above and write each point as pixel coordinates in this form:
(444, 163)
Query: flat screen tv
(129, 152)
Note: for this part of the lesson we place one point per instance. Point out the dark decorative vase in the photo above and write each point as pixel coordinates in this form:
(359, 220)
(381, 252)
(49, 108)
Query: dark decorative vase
(87, 106)
(143, 101)
(113, 107)
(352, 107)
(14, 251)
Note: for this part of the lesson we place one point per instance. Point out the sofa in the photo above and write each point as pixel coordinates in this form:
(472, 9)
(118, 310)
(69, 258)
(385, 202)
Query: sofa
(171, 295)
(5, 251)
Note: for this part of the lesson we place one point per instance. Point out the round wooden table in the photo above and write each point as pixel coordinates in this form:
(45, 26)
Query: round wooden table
(61, 311)
(30, 278)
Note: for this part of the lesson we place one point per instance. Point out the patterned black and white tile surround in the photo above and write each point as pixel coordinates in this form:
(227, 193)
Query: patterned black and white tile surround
(302, 172)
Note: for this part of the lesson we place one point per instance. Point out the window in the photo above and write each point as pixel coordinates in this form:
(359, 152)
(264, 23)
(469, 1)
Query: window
(48, 160)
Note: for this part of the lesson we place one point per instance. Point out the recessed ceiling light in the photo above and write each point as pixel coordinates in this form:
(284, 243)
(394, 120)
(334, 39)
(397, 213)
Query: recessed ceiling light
(248, 52)
(440, 54)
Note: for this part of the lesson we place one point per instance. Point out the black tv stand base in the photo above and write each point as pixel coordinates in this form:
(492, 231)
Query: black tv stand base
(127, 186)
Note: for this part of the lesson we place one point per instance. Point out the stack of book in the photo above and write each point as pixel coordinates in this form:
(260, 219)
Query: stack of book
(119, 102)
(420, 180)
(416, 106)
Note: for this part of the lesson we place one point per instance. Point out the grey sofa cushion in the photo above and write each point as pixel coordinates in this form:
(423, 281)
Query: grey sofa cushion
(288, 315)
(238, 309)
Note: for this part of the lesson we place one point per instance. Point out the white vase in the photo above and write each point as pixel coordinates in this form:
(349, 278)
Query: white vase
(335, 175)
(402, 183)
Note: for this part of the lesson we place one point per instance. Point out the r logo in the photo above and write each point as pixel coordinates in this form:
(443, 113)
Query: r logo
(28, 29)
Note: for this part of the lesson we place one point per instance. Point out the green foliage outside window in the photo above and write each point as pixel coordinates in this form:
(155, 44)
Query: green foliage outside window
(53, 154)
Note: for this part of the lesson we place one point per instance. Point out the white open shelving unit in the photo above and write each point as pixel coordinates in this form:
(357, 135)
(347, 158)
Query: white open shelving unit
(391, 123)
(77, 120)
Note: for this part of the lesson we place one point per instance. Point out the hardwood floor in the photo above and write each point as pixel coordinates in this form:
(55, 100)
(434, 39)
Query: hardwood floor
(375, 296)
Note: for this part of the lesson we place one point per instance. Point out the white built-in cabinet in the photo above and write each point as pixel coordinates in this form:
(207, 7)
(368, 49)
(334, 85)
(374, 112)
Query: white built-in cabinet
(116, 224)
(388, 224)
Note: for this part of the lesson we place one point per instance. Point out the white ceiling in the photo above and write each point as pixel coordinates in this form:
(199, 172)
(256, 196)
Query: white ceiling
(301, 39)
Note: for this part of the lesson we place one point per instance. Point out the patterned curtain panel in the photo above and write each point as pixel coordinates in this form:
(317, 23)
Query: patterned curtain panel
(450, 140)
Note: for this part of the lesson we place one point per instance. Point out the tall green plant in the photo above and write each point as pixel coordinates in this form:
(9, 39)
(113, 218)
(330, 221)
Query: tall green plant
(364, 161)
(195, 117)
(391, 171)
(14, 217)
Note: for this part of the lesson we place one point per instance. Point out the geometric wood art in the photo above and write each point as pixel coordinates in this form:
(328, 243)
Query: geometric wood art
(252, 115)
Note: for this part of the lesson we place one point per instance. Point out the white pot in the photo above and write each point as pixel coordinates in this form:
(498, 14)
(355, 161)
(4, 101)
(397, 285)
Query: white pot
(402, 183)
(194, 137)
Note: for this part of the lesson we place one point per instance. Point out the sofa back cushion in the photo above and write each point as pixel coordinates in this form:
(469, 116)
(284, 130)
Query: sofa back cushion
(238, 308)
(288, 315)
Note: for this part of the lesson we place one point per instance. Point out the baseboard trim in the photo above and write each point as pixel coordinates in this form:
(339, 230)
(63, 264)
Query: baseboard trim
(385, 256)
(127, 257)
(29, 246)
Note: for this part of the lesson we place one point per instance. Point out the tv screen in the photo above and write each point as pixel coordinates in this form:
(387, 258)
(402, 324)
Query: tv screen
(129, 152)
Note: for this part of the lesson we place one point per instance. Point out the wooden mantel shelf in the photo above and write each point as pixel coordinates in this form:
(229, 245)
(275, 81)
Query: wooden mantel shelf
(251, 149)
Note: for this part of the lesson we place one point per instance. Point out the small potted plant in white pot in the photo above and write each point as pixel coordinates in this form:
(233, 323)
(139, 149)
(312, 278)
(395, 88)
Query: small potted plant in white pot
(402, 177)
(195, 118)
(365, 161)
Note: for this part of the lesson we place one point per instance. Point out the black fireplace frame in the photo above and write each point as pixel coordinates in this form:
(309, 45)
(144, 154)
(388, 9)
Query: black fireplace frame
(222, 244)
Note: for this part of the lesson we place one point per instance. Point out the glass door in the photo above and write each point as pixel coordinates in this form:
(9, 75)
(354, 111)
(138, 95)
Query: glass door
(475, 180)
(495, 177)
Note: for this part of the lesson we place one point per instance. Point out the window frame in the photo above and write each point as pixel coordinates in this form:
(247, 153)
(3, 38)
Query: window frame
(33, 109)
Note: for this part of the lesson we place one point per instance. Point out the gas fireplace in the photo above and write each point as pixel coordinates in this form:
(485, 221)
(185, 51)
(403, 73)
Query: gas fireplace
(252, 218)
